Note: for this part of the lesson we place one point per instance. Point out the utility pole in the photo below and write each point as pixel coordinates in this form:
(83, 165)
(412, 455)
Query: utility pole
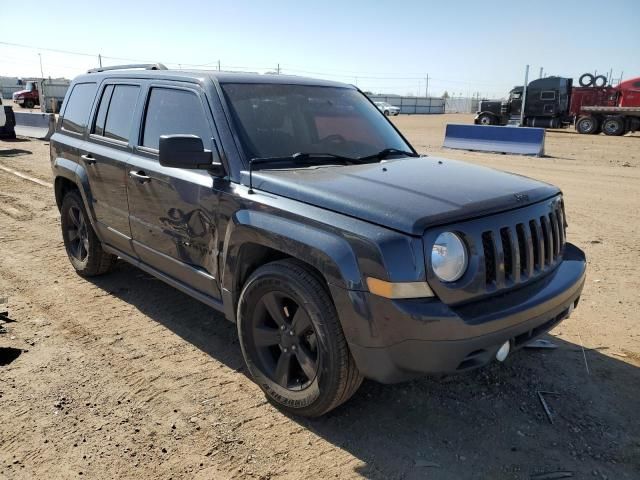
(426, 86)
(100, 60)
(278, 69)
(541, 70)
(41, 71)
(524, 96)
(218, 65)
(610, 77)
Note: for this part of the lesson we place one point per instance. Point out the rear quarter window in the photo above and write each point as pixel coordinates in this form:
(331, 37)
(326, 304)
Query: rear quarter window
(76, 113)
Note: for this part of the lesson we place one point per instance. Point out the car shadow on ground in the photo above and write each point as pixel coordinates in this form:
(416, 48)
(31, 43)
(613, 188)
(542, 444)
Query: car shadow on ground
(488, 423)
(14, 152)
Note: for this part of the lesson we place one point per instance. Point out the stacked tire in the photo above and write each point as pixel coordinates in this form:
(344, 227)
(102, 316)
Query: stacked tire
(589, 80)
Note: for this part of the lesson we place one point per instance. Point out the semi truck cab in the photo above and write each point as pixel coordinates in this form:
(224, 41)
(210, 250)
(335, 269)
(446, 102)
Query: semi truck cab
(29, 97)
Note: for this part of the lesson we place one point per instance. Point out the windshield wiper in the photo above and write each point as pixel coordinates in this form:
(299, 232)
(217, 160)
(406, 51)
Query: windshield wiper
(298, 157)
(330, 157)
(387, 152)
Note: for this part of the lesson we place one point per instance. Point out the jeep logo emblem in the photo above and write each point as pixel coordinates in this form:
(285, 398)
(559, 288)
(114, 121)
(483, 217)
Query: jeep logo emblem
(521, 197)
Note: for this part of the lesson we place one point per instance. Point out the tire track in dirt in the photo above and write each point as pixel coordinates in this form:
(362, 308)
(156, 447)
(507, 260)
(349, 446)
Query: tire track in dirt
(134, 349)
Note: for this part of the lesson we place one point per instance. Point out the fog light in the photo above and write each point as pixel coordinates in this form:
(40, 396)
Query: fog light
(503, 351)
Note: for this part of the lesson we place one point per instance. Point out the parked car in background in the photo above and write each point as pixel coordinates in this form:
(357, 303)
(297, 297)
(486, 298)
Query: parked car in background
(294, 208)
(387, 108)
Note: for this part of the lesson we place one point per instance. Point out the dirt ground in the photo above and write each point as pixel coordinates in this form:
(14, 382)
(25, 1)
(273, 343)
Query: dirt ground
(125, 377)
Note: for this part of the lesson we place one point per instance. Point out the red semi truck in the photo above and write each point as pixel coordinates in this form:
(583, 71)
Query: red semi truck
(29, 97)
(611, 110)
(554, 102)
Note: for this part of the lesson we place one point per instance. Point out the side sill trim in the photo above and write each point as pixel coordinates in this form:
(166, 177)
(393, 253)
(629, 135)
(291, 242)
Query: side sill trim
(206, 299)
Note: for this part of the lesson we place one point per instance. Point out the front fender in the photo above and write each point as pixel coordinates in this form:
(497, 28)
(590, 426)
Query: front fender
(329, 253)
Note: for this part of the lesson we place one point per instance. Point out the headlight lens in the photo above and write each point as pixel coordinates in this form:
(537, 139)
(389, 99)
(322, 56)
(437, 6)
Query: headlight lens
(449, 257)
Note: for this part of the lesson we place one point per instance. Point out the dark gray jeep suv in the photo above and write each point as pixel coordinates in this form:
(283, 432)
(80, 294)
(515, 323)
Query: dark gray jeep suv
(298, 210)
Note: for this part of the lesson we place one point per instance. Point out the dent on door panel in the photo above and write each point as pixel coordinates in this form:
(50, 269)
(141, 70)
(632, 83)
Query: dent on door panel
(173, 224)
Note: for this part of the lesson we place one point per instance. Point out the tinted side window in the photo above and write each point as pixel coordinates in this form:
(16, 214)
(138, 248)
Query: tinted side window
(76, 112)
(120, 113)
(101, 118)
(172, 111)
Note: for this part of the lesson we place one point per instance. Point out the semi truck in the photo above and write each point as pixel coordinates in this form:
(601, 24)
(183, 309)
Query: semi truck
(554, 102)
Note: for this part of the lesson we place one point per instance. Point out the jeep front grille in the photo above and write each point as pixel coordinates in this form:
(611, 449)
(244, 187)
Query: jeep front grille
(506, 250)
(519, 252)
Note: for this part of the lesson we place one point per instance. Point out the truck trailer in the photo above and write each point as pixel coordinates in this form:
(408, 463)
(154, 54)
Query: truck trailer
(553, 102)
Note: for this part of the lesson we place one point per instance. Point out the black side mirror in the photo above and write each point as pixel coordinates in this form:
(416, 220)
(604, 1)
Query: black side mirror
(187, 151)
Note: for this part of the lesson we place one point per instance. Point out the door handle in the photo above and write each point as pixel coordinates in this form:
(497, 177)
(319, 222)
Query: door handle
(88, 159)
(139, 176)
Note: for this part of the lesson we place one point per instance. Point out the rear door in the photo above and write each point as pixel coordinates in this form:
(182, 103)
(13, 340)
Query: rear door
(173, 211)
(105, 157)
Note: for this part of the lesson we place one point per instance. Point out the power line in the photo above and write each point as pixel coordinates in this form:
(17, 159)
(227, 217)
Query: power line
(367, 76)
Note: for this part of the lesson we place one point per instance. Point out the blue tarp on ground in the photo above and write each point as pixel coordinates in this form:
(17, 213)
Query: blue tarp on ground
(519, 140)
(36, 125)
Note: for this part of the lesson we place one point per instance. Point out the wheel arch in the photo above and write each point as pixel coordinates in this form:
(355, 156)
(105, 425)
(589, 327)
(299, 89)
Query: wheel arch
(71, 176)
(254, 238)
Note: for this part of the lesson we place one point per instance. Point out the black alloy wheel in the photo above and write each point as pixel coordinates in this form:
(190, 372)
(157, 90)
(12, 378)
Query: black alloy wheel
(83, 247)
(77, 234)
(285, 341)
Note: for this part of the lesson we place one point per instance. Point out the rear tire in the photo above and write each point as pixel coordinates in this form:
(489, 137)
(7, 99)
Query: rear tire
(587, 125)
(386, 113)
(80, 241)
(292, 341)
(613, 126)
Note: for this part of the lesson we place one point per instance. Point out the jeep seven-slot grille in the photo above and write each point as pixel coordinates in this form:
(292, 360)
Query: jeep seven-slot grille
(520, 252)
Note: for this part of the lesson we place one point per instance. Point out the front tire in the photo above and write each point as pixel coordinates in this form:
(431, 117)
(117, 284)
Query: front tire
(28, 103)
(486, 119)
(80, 241)
(292, 341)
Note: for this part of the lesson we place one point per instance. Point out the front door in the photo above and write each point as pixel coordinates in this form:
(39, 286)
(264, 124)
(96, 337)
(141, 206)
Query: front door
(173, 211)
(106, 155)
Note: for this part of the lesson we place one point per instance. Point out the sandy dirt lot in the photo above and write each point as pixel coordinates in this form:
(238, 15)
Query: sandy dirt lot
(125, 377)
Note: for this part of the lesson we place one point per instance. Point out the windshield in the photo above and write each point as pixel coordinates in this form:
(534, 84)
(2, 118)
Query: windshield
(282, 120)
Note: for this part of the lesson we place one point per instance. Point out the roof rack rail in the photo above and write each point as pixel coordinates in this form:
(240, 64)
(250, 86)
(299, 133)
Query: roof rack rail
(146, 66)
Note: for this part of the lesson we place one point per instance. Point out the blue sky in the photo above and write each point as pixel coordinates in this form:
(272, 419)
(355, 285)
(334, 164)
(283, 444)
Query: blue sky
(384, 46)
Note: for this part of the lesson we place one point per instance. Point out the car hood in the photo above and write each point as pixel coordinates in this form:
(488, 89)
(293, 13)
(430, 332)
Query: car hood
(19, 92)
(408, 195)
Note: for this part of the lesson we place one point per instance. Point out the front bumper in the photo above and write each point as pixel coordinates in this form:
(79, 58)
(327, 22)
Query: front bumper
(394, 340)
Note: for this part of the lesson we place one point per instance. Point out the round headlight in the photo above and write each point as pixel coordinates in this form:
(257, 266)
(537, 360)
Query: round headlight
(449, 257)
